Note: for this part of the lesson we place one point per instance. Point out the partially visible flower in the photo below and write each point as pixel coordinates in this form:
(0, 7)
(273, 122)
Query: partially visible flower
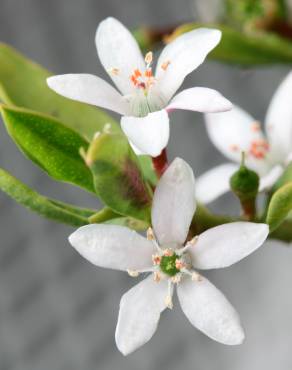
(172, 261)
(145, 97)
(236, 131)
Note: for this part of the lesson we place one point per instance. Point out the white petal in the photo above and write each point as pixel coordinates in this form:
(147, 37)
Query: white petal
(139, 314)
(174, 203)
(184, 55)
(233, 132)
(267, 181)
(200, 99)
(149, 134)
(89, 89)
(209, 311)
(214, 183)
(113, 246)
(279, 120)
(118, 50)
(136, 150)
(224, 245)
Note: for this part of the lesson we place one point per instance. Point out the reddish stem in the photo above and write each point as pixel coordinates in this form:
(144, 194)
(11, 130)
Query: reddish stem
(160, 163)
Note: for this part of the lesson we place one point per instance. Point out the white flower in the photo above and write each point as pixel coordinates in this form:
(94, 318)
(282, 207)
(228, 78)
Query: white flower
(145, 98)
(236, 131)
(172, 262)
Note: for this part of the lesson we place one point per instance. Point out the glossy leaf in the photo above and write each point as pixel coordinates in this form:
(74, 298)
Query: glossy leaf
(148, 169)
(285, 178)
(46, 207)
(23, 83)
(49, 144)
(279, 207)
(118, 178)
(245, 48)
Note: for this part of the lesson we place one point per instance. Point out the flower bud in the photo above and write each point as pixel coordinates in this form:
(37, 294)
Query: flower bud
(245, 185)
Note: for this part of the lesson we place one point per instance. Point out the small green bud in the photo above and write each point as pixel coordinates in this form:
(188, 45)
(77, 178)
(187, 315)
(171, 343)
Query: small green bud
(245, 183)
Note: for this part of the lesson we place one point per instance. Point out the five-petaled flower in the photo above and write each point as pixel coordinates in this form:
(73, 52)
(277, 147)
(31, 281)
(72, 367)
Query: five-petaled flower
(172, 261)
(236, 131)
(145, 98)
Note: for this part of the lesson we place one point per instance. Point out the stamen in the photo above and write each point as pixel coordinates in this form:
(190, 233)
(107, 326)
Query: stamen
(176, 279)
(149, 58)
(179, 264)
(168, 252)
(189, 244)
(234, 147)
(150, 234)
(256, 127)
(156, 259)
(114, 71)
(133, 273)
(165, 65)
(137, 73)
(168, 298)
(148, 73)
(259, 148)
(156, 276)
(195, 276)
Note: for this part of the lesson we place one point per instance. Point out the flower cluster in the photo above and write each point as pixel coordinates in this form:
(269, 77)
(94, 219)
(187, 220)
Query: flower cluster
(170, 256)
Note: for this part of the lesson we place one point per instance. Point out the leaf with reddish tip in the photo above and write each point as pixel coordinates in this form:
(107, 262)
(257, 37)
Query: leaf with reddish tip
(118, 178)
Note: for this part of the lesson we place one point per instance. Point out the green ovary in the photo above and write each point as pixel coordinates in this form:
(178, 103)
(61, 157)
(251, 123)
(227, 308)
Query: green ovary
(167, 265)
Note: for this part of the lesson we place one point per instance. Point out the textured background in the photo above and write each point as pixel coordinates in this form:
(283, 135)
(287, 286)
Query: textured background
(58, 312)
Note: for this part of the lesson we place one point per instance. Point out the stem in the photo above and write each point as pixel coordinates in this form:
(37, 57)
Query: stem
(249, 209)
(160, 163)
(103, 215)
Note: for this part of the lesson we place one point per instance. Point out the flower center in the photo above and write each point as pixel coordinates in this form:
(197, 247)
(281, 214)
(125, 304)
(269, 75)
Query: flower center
(168, 264)
(144, 80)
(147, 98)
(171, 265)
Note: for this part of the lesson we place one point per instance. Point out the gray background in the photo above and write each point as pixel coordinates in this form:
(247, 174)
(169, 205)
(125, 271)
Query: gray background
(58, 312)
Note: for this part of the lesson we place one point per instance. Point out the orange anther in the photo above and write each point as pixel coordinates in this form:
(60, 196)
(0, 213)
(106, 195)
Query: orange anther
(179, 264)
(137, 73)
(148, 73)
(134, 80)
(256, 127)
(165, 65)
(234, 147)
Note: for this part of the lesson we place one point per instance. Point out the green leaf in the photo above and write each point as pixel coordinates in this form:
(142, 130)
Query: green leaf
(245, 48)
(46, 207)
(103, 215)
(49, 144)
(148, 169)
(119, 181)
(285, 178)
(23, 83)
(279, 206)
